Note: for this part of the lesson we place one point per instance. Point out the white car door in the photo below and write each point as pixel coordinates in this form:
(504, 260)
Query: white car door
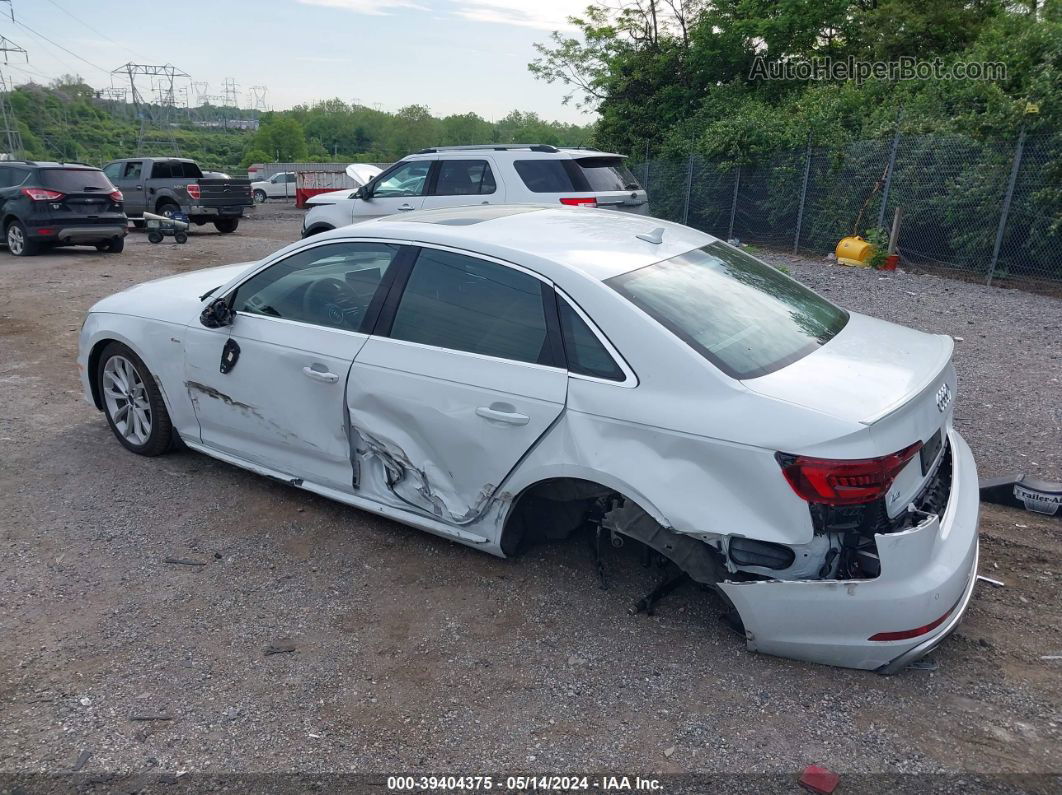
(269, 388)
(399, 189)
(457, 383)
(462, 181)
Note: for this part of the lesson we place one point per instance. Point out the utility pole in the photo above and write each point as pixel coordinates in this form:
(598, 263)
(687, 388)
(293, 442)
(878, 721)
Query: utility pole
(11, 134)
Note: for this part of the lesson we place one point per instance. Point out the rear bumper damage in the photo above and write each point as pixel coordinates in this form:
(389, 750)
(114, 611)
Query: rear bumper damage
(927, 579)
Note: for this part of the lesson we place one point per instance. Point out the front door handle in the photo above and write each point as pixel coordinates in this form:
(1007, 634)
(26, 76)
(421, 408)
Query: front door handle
(502, 412)
(320, 375)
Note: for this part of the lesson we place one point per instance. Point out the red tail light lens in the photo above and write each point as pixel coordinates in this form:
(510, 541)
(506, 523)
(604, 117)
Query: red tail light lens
(42, 195)
(193, 190)
(580, 202)
(845, 481)
(911, 633)
(116, 196)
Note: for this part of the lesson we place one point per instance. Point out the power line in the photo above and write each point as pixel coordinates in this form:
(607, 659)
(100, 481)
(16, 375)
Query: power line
(61, 47)
(94, 30)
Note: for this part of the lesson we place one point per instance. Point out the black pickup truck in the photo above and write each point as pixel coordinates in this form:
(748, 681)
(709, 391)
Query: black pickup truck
(168, 185)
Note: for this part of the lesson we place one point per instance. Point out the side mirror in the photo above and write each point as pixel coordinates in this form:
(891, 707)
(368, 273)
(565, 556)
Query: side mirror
(217, 314)
(363, 193)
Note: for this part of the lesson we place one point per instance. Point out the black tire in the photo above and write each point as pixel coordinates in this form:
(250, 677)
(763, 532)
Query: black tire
(113, 246)
(227, 225)
(259, 196)
(20, 244)
(169, 209)
(180, 237)
(160, 437)
(139, 224)
(154, 237)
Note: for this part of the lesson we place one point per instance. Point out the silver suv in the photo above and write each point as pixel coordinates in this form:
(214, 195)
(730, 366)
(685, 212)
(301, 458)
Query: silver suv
(452, 176)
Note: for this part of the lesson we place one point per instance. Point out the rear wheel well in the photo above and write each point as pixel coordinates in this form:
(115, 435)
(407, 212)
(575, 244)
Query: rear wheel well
(551, 510)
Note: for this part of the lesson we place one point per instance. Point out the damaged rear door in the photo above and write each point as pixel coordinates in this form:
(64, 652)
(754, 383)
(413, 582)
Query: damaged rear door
(269, 388)
(460, 379)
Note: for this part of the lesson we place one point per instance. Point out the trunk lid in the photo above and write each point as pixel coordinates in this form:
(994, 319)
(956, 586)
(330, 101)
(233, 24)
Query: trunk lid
(216, 192)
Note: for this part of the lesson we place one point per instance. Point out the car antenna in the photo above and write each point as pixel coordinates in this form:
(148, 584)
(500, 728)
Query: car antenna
(656, 236)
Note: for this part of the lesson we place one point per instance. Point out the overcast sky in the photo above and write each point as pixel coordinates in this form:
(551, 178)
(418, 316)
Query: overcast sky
(452, 55)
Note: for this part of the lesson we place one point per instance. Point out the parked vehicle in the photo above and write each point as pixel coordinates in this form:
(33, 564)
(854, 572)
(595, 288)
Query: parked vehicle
(278, 186)
(43, 205)
(505, 375)
(491, 174)
(170, 185)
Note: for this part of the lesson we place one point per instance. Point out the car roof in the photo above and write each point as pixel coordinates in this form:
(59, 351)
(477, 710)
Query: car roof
(46, 164)
(547, 239)
(511, 151)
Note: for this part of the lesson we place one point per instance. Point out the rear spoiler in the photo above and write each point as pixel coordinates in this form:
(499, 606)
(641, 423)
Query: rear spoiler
(946, 351)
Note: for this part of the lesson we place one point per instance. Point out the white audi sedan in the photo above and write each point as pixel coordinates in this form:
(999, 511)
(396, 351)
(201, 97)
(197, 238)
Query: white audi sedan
(506, 375)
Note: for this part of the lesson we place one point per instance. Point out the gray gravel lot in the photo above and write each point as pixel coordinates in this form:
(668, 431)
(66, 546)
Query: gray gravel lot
(414, 654)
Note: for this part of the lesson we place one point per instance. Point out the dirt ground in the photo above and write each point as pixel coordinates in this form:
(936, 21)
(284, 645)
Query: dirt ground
(415, 654)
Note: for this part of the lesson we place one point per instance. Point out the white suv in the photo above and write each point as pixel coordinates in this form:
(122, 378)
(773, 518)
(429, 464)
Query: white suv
(452, 176)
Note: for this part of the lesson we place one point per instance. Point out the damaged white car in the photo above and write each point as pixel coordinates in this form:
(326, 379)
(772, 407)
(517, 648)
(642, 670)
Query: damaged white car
(505, 375)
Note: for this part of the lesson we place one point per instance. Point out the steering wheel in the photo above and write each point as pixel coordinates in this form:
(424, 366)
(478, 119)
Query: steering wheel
(332, 302)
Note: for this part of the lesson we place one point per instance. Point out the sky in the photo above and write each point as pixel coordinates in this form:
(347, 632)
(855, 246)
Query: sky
(453, 56)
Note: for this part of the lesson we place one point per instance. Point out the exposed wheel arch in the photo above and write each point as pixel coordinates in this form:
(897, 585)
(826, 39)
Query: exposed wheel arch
(317, 229)
(93, 366)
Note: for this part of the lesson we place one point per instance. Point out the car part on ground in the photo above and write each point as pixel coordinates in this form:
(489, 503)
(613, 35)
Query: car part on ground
(45, 205)
(1022, 491)
(518, 373)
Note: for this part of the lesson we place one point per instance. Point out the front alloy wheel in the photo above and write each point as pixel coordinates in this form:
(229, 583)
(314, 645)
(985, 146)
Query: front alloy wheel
(132, 402)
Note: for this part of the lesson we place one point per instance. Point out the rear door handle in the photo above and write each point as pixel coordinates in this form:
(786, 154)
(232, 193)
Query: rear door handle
(502, 412)
(320, 375)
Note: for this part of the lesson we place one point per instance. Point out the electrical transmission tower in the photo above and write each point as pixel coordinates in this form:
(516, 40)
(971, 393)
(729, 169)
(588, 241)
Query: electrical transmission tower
(11, 134)
(161, 115)
(231, 89)
(200, 87)
(258, 97)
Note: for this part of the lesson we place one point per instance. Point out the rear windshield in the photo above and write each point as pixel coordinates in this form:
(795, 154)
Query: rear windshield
(75, 180)
(741, 314)
(607, 173)
(576, 176)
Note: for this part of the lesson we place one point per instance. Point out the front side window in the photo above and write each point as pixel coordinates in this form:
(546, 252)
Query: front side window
(464, 178)
(468, 304)
(330, 285)
(133, 170)
(739, 313)
(585, 353)
(407, 179)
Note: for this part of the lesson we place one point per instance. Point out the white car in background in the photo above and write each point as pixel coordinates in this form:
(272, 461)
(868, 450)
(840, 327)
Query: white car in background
(278, 186)
(455, 176)
(506, 375)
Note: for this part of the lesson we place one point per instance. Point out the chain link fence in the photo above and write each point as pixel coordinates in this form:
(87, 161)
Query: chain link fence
(986, 210)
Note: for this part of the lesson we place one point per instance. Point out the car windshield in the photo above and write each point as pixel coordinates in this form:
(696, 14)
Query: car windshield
(741, 314)
(75, 180)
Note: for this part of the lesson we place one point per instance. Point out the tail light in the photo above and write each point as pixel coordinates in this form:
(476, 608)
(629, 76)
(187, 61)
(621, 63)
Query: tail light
(845, 481)
(911, 633)
(42, 195)
(580, 202)
(116, 196)
(193, 190)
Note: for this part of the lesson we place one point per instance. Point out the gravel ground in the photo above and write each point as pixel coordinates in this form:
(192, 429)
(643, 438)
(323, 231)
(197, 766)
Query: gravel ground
(414, 654)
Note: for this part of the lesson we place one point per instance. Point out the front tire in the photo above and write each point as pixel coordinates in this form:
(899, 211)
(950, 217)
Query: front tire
(227, 225)
(259, 197)
(132, 402)
(18, 242)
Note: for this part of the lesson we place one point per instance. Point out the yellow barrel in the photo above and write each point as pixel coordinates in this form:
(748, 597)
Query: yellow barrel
(854, 251)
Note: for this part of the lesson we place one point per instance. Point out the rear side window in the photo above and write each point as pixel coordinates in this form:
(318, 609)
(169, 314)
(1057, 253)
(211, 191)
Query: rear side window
(75, 180)
(584, 351)
(607, 173)
(163, 170)
(467, 304)
(550, 176)
(464, 178)
(741, 314)
(187, 170)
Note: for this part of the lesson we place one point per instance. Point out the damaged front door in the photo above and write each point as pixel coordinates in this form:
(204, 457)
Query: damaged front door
(459, 381)
(297, 327)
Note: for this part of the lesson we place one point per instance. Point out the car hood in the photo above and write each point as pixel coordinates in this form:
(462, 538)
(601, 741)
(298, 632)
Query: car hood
(331, 197)
(868, 371)
(172, 298)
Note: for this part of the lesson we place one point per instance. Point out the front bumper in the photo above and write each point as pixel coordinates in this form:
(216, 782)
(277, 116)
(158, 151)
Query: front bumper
(926, 572)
